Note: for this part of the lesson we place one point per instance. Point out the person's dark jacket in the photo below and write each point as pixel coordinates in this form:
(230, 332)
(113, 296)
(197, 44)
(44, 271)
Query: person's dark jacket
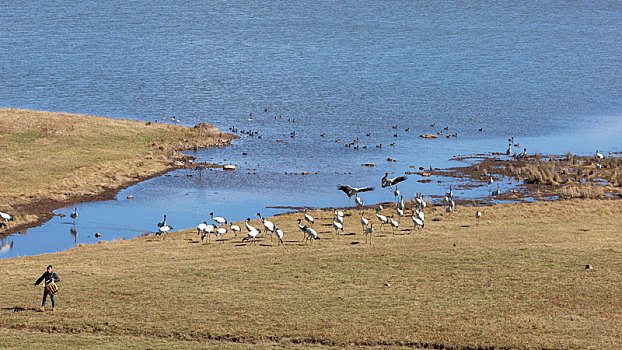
(48, 277)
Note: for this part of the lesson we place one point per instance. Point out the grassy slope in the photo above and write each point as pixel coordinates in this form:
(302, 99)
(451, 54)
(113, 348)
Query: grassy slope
(516, 280)
(49, 156)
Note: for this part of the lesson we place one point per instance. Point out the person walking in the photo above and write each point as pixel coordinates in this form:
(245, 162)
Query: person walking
(48, 277)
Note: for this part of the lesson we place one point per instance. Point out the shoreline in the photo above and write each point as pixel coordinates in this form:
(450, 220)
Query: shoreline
(32, 210)
(496, 276)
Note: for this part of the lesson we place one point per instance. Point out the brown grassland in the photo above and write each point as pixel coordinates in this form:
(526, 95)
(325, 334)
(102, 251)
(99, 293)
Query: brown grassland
(50, 160)
(516, 280)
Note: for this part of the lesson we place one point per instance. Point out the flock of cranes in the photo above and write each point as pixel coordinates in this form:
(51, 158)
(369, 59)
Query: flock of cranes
(221, 225)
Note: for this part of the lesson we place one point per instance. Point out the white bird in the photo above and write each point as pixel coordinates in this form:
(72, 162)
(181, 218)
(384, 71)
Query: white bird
(495, 192)
(401, 204)
(490, 181)
(338, 213)
(201, 227)
(309, 218)
(252, 236)
(337, 225)
(448, 210)
(417, 223)
(386, 181)
(219, 220)
(279, 235)
(309, 233)
(396, 193)
(163, 230)
(207, 230)
(368, 233)
(394, 225)
(358, 201)
(420, 215)
(235, 229)
(449, 194)
(383, 219)
(249, 227)
(400, 213)
(598, 155)
(74, 215)
(221, 231)
(364, 221)
(269, 226)
(478, 214)
(339, 219)
(6, 218)
(160, 224)
(353, 191)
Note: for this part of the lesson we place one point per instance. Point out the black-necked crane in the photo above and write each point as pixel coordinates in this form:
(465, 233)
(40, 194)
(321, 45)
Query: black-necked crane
(235, 229)
(417, 223)
(221, 231)
(74, 215)
(396, 194)
(268, 225)
(207, 230)
(509, 150)
(309, 233)
(163, 230)
(201, 227)
(401, 204)
(478, 214)
(249, 227)
(448, 210)
(337, 226)
(218, 219)
(338, 213)
(364, 221)
(490, 181)
(383, 219)
(302, 228)
(358, 201)
(394, 225)
(354, 191)
(369, 232)
(6, 218)
(386, 181)
(309, 218)
(338, 218)
(495, 192)
(449, 194)
(400, 213)
(420, 215)
(599, 155)
(522, 155)
(279, 234)
(160, 224)
(252, 236)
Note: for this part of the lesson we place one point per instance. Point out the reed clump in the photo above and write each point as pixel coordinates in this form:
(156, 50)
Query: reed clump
(583, 192)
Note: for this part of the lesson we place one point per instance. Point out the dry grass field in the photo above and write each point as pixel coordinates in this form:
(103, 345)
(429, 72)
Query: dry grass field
(54, 159)
(516, 280)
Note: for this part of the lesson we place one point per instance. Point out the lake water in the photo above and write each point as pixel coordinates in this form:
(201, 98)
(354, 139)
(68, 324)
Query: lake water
(548, 74)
